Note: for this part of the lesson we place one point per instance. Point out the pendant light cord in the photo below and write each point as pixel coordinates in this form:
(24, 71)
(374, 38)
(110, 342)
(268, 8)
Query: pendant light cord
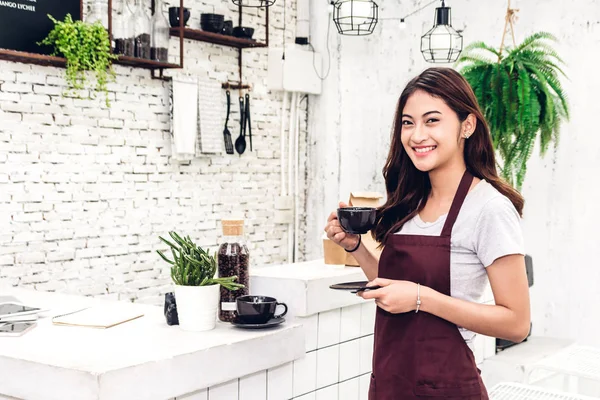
(328, 54)
(414, 12)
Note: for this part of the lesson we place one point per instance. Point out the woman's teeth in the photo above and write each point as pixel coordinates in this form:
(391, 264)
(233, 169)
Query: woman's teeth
(425, 149)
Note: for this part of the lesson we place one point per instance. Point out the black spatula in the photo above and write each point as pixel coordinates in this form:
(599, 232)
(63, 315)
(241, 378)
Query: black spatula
(226, 133)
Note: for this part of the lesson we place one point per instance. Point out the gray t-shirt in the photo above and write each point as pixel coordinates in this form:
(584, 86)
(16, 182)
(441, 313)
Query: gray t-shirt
(487, 227)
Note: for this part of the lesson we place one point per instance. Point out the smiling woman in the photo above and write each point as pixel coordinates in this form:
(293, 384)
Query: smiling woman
(448, 226)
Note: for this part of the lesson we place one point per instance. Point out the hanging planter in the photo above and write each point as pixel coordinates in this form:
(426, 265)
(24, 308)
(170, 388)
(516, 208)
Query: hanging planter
(355, 17)
(86, 48)
(442, 43)
(521, 96)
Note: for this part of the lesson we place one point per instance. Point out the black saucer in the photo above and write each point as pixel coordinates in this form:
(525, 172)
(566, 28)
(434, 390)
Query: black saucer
(354, 287)
(269, 324)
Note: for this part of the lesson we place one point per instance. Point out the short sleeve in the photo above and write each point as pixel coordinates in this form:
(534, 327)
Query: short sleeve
(498, 231)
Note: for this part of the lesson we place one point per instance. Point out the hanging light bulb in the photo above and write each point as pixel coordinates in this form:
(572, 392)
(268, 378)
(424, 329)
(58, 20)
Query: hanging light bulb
(442, 43)
(355, 17)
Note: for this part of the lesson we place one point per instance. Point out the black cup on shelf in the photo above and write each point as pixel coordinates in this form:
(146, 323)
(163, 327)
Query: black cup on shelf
(258, 309)
(227, 28)
(243, 32)
(357, 220)
(174, 16)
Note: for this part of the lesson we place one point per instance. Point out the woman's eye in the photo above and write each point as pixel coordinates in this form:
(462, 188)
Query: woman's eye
(405, 122)
(432, 120)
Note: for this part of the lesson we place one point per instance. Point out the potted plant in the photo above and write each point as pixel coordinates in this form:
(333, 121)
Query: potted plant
(196, 288)
(86, 48)
(521, 96)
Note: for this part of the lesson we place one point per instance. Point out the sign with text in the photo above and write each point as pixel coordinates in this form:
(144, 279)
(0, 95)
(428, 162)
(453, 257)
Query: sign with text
(24, 23)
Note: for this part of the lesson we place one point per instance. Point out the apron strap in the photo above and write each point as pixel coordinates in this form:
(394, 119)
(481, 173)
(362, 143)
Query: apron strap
(457, 202)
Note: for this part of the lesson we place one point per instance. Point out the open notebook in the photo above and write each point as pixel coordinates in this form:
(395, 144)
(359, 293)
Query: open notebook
(102, 317)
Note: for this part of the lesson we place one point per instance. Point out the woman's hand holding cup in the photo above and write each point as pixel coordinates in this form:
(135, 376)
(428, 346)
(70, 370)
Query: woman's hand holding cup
(336, 234)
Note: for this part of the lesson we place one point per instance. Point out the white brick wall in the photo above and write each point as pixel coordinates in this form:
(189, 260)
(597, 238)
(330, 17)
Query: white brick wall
(85, 191)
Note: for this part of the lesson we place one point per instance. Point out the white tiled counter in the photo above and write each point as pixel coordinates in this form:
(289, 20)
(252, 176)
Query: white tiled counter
(141, 359)
(338, 327)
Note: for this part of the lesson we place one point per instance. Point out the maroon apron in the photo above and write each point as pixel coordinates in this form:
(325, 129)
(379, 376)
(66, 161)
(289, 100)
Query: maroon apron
(419, 355)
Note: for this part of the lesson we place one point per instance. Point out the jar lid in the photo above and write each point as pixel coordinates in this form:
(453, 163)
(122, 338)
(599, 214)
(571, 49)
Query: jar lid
(233, 227)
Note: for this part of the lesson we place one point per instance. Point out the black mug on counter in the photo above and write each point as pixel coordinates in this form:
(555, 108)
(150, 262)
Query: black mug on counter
(258, 309)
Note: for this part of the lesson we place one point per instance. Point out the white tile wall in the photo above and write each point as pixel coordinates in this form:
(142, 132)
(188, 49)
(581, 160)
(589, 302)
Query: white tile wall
(367, 318)
(330, 370)
(224, 391)
(253, 387)
(310, 330)
(348, 390)
(280, 382)
(307, 396)
(305, 374)
(200, 395)
(328, 364)
(349, 359)
(329, 328)
(350, 325)
(363, 386)
(366, 354)
(329, 393)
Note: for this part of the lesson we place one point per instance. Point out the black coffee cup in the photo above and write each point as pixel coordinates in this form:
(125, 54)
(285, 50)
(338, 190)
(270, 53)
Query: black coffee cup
(357, 220)
(258, 309)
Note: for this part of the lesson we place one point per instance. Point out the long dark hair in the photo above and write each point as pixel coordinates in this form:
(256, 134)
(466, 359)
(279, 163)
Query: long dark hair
(408, 188)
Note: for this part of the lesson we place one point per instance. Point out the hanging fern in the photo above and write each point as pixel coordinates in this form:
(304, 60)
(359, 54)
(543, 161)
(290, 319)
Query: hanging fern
(521, 97)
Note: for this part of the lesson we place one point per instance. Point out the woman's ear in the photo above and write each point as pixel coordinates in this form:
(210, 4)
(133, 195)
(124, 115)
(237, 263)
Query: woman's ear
(468, 126)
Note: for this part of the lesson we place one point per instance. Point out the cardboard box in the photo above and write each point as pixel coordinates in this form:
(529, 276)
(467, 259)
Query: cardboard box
(364, 199)
(335, 254)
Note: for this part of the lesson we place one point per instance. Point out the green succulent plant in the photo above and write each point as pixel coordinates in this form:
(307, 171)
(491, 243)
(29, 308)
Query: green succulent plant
(86, 47)
(521, 97)
(194, 266)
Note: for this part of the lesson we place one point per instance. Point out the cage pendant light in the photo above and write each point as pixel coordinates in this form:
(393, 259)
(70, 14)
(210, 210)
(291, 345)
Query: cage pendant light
(254, 3)
(355, 17)
(442, 43)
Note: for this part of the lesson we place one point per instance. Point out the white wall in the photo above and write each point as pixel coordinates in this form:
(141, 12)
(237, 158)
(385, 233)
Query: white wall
(85, 191)
(350, 126)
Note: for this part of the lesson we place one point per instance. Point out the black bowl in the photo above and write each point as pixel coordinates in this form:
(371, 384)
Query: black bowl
(212, 26)
(211, 17)
(357, 220)
(243, 32)
(174, 16)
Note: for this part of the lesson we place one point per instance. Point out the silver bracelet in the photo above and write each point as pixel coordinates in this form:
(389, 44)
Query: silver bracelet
(418, 297)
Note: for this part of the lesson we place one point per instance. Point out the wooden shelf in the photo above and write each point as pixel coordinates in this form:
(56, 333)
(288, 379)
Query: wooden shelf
(41, 59)
(216, 38)
(143, 63)
(32, 58)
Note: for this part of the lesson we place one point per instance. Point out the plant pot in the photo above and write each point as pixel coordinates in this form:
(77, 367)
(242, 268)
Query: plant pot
(197, 307)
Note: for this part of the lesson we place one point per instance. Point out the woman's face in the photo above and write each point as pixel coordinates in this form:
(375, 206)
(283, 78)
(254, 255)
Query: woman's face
(432, 134)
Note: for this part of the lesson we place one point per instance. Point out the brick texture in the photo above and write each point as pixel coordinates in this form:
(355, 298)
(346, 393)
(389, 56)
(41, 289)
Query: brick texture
(85, 190)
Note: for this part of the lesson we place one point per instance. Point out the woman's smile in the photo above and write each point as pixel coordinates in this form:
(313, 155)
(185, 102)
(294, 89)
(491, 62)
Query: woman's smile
(423, 151)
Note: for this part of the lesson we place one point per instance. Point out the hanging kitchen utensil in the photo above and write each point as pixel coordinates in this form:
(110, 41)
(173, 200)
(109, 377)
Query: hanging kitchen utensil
(248, 122)
(240, 142)
(226, 133)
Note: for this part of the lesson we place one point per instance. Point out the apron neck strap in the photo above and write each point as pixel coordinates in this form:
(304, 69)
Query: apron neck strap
(457, 202)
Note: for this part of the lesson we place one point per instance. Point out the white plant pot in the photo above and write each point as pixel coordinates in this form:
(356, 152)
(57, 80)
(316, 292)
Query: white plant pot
(197, 307)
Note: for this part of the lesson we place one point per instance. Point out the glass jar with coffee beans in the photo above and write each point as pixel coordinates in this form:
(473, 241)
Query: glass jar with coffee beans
(233, 260)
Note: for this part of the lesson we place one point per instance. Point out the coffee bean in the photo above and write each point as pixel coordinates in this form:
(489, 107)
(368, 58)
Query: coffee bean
(233, 260)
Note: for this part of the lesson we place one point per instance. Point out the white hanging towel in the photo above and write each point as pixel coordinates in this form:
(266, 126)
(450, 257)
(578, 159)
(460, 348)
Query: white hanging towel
(184, 124)
(212, 115)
